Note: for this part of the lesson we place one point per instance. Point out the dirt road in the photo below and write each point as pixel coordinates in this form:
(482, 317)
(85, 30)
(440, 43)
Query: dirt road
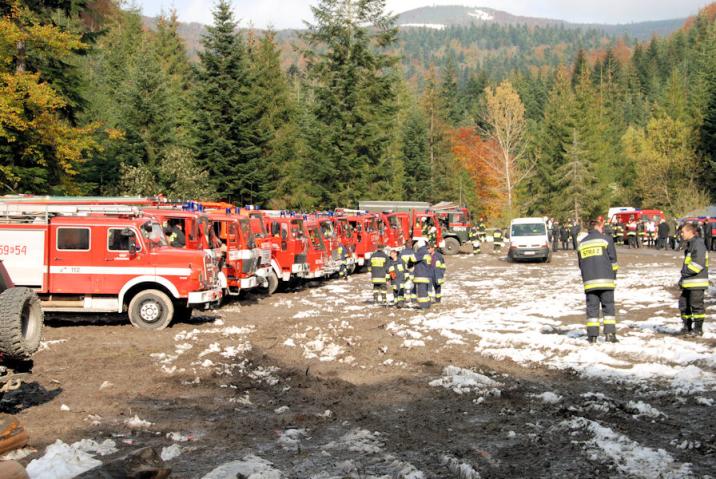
(497, 382)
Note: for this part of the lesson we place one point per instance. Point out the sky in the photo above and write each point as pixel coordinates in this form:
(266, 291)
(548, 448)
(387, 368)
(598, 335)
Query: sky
(291, 13)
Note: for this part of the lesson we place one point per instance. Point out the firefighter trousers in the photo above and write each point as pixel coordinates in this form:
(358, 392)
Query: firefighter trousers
(693, 310)
(438, 292)
(399, 294)
(423, 295)
(380, 292)
(601, 300)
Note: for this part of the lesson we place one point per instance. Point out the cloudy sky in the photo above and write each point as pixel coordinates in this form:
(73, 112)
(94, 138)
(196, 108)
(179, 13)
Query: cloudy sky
(290, 13)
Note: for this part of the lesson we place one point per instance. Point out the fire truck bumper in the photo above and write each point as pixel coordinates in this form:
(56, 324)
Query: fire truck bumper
(319, 273)
(205, 297)
(248, 283)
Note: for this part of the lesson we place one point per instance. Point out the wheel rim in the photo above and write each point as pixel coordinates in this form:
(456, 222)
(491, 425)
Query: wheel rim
(150, 311)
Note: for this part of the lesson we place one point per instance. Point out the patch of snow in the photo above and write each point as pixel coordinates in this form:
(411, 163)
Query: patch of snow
(290, 439)
(464, 381)
(136, 423)
(170, 452)
(413, 343)
(65, 408)
(481, 15)
(644, 409)
(282, 409)
(45, 345)
(358, 440)
(434, 26)
(630, 457)
(61, 461)
(548, 397)
(289, 343)
(250, 467)
(178, 437)
(105, 385)
(460, 470)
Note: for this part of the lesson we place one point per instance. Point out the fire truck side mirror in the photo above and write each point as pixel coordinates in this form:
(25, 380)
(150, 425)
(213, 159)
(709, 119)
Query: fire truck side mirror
(132, 247)
(284, 235)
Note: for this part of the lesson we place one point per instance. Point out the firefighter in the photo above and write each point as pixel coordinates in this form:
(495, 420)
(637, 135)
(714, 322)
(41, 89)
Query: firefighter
(631, 233)
(175, 236)
(423, 275)
(397, 273)
(482, 230)
(474, 238)
(619, 234)
(378, 270)
(641, 234)
(598, 263)
(343, 258)
(694, 281)
(497, 240)
(407, 256)
(574, 232)
(439, 269)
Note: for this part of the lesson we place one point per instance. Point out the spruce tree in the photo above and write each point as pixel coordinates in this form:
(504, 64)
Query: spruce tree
(227, 133)
(354, 82)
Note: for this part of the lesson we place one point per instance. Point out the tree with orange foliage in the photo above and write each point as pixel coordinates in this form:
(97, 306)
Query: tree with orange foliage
(472, 152)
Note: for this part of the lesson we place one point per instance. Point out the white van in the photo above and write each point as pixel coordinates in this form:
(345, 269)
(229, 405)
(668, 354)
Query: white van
(529, 240)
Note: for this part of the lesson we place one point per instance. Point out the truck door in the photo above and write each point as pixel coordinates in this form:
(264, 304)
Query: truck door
(72, 259)
(122, 259)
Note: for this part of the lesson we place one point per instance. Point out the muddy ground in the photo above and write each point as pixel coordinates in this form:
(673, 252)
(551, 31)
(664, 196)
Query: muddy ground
(321, 383)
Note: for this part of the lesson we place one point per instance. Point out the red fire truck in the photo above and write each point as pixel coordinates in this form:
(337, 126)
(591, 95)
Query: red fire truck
(367, 236)
(91, 259)
(638, 215)
(320, 263)
(396, 229)
(289, 246)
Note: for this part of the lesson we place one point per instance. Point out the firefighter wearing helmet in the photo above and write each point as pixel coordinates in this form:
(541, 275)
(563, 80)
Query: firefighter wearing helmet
(598, 263)
(423, 275)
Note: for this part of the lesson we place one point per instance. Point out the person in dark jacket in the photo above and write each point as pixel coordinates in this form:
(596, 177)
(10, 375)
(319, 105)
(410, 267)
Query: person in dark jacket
(407, 256)
(708, 235)
(439, 269)
(598, 264)
(694, 281)
(343, 261)
(576, 229)
(378, 269)
(396, 271)
(663, 235)
(556, 230)
(423, 275)
(564, 237)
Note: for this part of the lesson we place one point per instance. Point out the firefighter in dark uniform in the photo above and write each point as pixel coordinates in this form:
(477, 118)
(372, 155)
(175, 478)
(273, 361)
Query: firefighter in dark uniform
(641, 234)
(482, 230)
(439, 269)
(497, 240)
(407, 256)
(694, 281)
(619, 234)
(397, 273)
(343, 259)
(175, 236)
(598, 264)
(378, 269)
(556, 231)
(423, 276)
(474, 238)
(576, 229)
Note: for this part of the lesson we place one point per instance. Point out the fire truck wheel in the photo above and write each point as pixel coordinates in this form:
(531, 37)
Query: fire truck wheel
(352, 268)
(452, 246)
(272, 283)
(151, 309)
(21, 321)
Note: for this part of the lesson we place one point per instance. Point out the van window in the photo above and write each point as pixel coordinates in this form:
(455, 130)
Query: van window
(119, 239)
(73, 239)
(531, 229)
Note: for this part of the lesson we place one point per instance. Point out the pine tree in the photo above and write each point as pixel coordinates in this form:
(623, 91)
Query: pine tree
(576, 180)
(450, 92)
(227, 132)
(354, 83)
(416, 156)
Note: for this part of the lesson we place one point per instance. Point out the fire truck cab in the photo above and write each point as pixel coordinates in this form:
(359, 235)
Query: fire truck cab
(101, 263)
(455, 228)
(289, 245)
(367, 236)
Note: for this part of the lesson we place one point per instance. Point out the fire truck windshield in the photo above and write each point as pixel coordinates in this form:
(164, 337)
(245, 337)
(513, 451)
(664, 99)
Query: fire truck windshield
(327, 228)
(153, 234)
(297, 229)
(246, 232)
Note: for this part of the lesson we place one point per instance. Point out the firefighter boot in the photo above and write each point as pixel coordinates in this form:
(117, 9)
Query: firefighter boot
(698, 328)
(592, 339)
(612, 338)
(686, 328)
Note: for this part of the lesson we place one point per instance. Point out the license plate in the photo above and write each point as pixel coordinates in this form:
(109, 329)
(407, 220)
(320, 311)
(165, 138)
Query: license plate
(530, 253)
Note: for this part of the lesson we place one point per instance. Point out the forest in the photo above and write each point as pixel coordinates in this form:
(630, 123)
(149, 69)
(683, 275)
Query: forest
(506, 119)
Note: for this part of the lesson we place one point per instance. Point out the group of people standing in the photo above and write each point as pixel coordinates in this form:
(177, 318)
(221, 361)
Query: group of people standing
(597, 257)
(563, 234)
(414, 275)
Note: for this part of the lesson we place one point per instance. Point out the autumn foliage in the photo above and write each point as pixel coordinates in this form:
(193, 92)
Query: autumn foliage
(475, 154)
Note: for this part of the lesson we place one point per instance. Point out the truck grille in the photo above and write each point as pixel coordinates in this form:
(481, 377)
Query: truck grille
(265, 256)
(301, 258)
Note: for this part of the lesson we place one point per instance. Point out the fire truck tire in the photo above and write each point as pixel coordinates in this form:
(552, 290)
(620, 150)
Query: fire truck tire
(151, 309)
(272, 283)
(452, 246)
(352, 268)
(21, 321)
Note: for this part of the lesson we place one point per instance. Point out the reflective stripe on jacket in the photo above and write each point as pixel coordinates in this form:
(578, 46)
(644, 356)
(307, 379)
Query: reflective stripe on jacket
(598, 262)
(695, 270)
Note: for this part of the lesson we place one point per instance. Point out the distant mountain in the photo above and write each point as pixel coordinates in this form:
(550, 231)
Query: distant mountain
(440, 17)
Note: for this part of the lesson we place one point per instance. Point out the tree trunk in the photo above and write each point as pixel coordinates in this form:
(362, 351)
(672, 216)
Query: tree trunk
(20, 66)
